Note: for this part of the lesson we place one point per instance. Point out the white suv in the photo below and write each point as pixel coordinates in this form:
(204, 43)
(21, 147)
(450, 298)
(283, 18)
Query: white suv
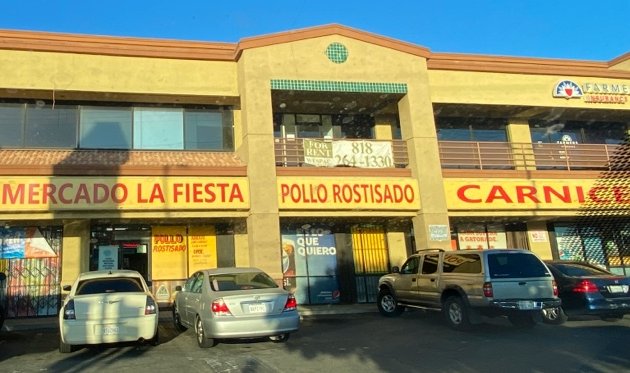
(467, 284)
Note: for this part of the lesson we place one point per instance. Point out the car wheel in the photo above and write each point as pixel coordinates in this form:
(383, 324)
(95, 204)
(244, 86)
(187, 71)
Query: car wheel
(554, 316)
(387, 304)
(525, 321)
(200, 333)
(612, 318)
(280, 338)
(177, 319)
(456, 313)
(65, 348)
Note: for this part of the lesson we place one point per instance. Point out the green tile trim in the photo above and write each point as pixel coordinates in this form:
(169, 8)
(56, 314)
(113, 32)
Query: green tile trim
(337, 86)
(337, 52)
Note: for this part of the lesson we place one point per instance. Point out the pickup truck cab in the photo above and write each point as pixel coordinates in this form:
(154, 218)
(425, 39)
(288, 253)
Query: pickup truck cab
(466, 284)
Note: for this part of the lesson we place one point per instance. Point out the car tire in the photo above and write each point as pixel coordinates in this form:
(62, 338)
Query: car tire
(522, 321)
(177, 319)
(456, 313)
(200, 333)
(280, 338)
(65, 348)
(554, 316)
(611, 318)
(387, 304)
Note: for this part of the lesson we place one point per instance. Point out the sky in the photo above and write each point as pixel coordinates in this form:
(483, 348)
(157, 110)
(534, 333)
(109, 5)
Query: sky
(591, 30)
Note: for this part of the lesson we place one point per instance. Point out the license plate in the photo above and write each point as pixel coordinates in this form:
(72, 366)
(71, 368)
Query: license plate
(257, 308)
(617, 288)
(110, 330)
(528, 305)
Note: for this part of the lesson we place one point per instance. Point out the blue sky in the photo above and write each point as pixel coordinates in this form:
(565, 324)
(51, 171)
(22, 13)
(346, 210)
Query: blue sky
(578, 30)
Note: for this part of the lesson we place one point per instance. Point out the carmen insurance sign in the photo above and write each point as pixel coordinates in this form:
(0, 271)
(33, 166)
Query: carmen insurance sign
(122, 193)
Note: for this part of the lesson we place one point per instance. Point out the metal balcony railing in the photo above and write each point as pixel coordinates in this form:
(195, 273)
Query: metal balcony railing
(486, 155)
(289, 152)
(536, 156)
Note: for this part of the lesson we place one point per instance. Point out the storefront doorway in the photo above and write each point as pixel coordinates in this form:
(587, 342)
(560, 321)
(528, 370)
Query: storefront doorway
(120, 247)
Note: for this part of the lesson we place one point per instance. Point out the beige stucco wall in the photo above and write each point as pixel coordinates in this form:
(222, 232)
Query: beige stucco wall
(509, 89)
(306, 60)
(92, 73)
(397, 248)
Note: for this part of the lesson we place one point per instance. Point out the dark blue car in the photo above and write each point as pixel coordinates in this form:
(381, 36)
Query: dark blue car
(587, 290)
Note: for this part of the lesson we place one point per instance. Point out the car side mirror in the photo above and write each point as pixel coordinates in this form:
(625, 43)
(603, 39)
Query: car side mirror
(178, 288)
(395, 269)
(67, 287)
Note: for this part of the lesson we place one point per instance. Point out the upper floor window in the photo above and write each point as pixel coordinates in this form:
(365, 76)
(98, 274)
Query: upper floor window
(578, 132)
(471, 129)
(324, 126)
(43, 125)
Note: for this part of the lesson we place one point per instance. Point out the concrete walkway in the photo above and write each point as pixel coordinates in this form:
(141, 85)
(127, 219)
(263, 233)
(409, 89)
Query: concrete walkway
(51, 322)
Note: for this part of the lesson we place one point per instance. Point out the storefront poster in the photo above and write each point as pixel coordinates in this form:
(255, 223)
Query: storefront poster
(24, 242)
(202, 248)
(481, 238)
(168, 253)
(323, 290)
(472, 239)
(12, 243)
(438, 232)
(36, 245)
(569, 243)
(107, 257)
(310, 255)
(538, 236)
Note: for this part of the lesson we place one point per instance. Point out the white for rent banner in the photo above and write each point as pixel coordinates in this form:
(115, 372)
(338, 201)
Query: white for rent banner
(348, 153)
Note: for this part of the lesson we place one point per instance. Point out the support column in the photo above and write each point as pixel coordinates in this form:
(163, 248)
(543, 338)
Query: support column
(419, 133)
(520, 138)
(383, 127)
(263, 226)
(75, 255)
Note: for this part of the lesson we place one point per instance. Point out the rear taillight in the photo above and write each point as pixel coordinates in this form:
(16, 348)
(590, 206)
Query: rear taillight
(291, 304)
(555, 288)
(220, 308)
(150, 308)
(68, 311)
(585, 286)
(487, 290)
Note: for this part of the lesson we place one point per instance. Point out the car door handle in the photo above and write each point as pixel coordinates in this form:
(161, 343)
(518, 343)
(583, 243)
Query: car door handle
(522, 283)
(413, 279)
(432, 280)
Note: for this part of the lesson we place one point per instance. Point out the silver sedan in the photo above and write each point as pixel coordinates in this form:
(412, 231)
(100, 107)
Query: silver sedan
(226, 303)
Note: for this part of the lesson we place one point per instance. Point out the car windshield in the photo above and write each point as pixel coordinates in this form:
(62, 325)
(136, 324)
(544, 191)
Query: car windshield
(109, 285)
(516, 265)
(579, 270)
(241, 281)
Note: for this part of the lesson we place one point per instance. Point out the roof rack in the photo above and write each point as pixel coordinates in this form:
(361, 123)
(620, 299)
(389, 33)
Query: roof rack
(436, 249)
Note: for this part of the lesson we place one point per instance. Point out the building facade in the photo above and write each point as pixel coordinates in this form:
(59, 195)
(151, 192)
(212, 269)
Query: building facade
(323, 156)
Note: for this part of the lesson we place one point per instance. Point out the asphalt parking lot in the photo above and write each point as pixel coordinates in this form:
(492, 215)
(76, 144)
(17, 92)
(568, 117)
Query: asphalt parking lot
(418, 341)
